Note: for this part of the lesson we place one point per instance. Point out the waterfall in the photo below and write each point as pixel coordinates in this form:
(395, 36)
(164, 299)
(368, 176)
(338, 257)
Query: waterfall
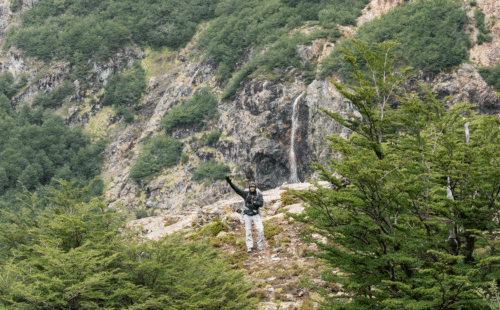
(193, 77)
(293, 161)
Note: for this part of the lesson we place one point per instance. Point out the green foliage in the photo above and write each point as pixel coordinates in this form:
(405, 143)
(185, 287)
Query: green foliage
(160, 152)
(481, 38)
(281, 55)
(200, 108)
(483, 35)
(213, 228)
(409, 214)
(73, 29)
(270, 231)
(212, 138)
(480, 24)
(54, 98)
(124, 91)
(141, 213)
(242, 26)
(36, 147)
(7, 86)
(491, 75)
(184, 158)
(430, 34)
(308, 73)
(211, 170)
(16, 5)
(79, 255)
(473, 3)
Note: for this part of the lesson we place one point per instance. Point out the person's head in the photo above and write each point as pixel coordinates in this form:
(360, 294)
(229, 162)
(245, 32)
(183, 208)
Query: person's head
(251, 186)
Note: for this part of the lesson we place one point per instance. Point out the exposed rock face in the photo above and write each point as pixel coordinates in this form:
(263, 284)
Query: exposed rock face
(323, 95)
(466, 85)
(259, 119)
(119, 61)
(377, 8)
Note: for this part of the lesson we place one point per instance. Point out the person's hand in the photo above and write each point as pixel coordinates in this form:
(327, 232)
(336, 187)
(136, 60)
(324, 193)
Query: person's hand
(228, 179)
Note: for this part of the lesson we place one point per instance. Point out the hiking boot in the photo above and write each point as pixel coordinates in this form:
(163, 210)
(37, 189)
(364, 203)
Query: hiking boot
(249, 250)
(260, 248)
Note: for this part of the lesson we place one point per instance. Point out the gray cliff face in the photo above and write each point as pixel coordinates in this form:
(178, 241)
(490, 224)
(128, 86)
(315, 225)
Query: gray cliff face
(465, 84)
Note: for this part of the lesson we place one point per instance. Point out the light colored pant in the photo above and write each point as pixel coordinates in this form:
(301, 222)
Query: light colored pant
(256, 219)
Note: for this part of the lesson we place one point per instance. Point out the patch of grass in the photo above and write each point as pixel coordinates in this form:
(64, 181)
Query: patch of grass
(260, 294)
(229, 238)
(237, 259)
(270, 231)
(184, 158)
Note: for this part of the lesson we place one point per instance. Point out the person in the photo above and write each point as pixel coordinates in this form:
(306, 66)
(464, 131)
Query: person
(253, 201)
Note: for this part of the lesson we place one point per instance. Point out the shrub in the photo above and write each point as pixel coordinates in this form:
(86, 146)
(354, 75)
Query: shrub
(480, 24)
(87, 255)
(430, 34)
(481, 38)
(160, 152)
(36, 147)
(7, 86)
(212, 138)
(55, 97)
(211, 170)
(473, 3)
(184, 158)
(308, 73)
(141, 213)
(491, 75)
(16, 5)
(124, 91)
(201, 107)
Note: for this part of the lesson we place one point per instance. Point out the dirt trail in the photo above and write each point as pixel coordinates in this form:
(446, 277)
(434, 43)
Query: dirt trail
(284, 273)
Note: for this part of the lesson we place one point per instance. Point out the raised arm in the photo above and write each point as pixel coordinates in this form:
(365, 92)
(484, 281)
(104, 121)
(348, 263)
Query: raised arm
(238, 190)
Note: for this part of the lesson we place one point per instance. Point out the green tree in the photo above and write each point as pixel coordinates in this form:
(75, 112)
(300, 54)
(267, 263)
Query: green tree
(78, 255)
(211, 170)
(413, 196)
(200, 108)
(160, 152)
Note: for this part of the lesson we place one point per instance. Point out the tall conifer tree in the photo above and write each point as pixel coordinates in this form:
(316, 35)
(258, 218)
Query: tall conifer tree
(410, 217)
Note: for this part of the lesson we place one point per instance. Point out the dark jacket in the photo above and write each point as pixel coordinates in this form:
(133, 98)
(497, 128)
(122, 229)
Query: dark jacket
(253, 201)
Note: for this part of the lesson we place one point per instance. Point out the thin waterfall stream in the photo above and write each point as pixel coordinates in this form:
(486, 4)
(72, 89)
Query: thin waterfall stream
(293, 160)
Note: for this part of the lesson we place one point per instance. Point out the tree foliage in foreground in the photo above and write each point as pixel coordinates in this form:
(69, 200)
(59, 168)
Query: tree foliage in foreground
(78, 255)
(411, 218)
